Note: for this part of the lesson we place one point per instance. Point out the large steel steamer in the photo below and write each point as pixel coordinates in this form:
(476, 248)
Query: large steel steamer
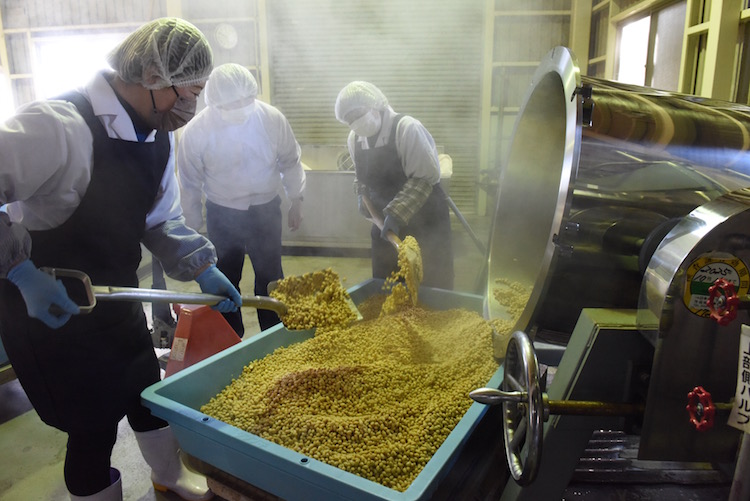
(618, 209)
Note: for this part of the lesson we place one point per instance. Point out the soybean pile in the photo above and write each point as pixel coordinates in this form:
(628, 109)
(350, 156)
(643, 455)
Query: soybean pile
(512, 296)
(404, 281)
(315, 299)
(376, 398)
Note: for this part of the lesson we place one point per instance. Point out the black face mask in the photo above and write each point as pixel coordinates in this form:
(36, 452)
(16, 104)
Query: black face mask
(180, 114)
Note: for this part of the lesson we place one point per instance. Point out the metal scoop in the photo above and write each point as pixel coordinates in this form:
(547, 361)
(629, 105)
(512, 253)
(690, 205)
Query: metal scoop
(94, 293)
(273, 285)
(415, 266)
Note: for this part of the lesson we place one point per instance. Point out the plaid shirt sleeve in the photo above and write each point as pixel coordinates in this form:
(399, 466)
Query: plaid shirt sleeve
(409, 200)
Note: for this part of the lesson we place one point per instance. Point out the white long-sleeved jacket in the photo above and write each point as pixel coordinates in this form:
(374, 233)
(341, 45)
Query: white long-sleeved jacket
(237, 165)
(46, 150)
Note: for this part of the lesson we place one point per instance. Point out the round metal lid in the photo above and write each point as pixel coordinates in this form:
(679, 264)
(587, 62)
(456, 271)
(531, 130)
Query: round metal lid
(535, 186)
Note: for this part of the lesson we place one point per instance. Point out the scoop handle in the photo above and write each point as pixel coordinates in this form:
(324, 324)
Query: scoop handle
(377, 220)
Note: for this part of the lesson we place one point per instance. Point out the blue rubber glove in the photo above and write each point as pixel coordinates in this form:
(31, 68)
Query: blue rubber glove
(43, 295)
(390, 224)
(212, 281)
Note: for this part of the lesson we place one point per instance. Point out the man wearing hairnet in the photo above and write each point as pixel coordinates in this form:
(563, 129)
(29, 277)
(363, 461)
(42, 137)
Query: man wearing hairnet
(397, 168)
(86, 178)
(239, 152)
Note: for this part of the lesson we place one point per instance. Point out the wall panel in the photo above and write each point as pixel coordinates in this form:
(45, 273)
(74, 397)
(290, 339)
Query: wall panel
(425, 55)
(47, 13)
(521, 34)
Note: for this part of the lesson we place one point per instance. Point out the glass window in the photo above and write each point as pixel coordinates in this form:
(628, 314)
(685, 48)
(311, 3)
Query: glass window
(665, 61)
(65, 62)
(633, 53)
(649, 48)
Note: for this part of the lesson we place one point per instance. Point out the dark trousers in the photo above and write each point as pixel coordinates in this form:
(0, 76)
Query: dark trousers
(83, 378)
(87, 459)
(255, 232)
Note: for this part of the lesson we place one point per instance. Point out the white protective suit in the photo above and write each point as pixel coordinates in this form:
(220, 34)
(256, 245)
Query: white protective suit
(237, 165)
(239, 153)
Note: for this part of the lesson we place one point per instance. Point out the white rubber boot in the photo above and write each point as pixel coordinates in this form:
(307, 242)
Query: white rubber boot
(161, 451)
(111, 493)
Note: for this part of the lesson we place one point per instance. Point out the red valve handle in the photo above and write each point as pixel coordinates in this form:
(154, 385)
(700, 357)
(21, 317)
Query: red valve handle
(701, 409)
(722, 301)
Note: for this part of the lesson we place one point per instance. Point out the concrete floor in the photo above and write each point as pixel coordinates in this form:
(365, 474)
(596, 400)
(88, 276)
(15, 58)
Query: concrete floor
(31, 466)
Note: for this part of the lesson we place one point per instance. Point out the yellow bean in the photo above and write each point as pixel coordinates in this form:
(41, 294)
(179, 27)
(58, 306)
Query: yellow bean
(376, 398)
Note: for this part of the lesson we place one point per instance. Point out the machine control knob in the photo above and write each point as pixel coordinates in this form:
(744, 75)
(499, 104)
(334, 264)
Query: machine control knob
(701, 409)
(722, 301)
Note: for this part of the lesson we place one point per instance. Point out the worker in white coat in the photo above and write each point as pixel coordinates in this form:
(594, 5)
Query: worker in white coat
(397, 168)
(85, 179)
(238, 154)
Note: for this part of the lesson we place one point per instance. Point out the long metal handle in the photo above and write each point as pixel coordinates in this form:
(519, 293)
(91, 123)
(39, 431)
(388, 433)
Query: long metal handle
(482, 248)
(492, 396)
(377, 219)
(107, 293)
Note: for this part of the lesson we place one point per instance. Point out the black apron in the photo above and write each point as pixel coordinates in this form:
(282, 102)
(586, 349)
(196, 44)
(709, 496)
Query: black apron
(85, 374)
(380, 169)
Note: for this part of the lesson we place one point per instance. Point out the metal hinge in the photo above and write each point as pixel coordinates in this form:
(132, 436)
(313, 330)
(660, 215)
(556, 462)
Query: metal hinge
(587, 104)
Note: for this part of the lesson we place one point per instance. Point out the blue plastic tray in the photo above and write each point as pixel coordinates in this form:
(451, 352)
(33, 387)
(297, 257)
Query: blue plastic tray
(271, 467)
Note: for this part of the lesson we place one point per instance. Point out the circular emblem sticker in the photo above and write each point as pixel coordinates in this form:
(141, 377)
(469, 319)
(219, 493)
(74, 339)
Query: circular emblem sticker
(703, 273)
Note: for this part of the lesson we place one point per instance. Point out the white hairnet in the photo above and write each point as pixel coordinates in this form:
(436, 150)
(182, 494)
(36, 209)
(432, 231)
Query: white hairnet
(163, 52)
(229, 83)
(357, 98)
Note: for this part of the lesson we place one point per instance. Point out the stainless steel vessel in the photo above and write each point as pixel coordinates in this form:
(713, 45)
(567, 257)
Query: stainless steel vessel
(623, 197)
(596, 176)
